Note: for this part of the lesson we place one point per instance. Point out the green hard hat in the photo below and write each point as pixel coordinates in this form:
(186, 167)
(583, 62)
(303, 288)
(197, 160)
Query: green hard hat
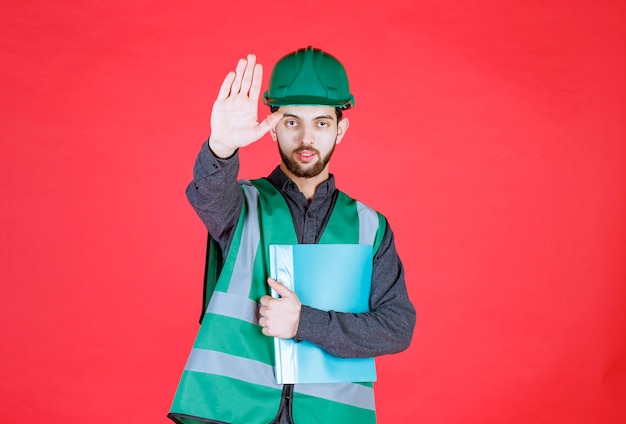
(309, 77)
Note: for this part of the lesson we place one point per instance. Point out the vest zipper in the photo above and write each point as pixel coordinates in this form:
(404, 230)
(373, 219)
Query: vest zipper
(284, 414)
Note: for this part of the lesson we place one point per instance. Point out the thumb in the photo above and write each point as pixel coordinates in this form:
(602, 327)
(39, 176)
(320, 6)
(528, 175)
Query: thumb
(279, 287)
(270, 121)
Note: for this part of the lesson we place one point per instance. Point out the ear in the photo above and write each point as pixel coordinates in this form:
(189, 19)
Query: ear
(342, 127)
(273, 133)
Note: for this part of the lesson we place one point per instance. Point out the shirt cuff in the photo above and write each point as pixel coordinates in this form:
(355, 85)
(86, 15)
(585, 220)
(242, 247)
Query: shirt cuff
(208, 163)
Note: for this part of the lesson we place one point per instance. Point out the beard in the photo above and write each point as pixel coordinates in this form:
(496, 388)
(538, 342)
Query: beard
(298, 169)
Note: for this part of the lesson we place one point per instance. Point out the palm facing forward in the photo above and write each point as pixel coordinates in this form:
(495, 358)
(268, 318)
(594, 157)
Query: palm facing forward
(234, 118)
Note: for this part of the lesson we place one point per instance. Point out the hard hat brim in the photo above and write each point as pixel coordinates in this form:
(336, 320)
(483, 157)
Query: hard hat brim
(308, 101)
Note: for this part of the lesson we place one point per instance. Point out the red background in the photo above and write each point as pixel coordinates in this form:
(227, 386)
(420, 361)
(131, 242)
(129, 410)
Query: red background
(491, 133)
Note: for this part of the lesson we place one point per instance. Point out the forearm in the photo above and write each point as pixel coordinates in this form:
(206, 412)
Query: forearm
(215, 194)
(387, 328)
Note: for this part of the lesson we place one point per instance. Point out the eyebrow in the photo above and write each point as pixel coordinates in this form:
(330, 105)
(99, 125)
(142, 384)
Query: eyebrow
(291, 115)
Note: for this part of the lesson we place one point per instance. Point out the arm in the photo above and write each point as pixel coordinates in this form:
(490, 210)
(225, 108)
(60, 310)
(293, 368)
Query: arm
(386, 329)
(214, 192)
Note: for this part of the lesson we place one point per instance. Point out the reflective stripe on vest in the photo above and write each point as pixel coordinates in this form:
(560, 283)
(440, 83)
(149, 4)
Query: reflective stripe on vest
(218, 363)
(234, 356)
(368, 223)
(229, 303)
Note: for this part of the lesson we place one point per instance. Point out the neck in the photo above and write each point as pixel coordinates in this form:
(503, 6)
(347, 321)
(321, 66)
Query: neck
(308, 186)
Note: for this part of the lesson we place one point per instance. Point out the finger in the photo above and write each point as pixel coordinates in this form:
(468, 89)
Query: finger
(257, 81)
(264, 310)
(226, 86)
(239, 70)
(265, 300)
(248, 73)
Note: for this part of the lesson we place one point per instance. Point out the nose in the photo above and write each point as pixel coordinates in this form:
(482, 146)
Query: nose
(308, 136)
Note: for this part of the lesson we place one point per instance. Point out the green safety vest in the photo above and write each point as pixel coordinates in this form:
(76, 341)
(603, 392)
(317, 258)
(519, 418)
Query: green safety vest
(229, 375)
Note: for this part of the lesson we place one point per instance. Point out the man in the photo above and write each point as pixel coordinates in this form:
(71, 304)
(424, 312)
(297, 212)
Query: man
(229, 377)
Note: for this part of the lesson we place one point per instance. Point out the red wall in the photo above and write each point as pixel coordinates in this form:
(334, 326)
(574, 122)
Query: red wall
(491, 133)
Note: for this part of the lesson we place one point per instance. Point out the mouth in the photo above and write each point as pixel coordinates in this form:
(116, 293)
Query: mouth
(306, 155)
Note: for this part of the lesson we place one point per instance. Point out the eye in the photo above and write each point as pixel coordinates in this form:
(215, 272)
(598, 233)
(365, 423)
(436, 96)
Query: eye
(291, 123)
(323, 124)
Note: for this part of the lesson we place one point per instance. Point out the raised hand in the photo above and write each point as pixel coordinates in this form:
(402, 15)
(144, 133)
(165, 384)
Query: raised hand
(234, 118)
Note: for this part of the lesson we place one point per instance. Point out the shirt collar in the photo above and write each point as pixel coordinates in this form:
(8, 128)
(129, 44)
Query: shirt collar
(285, 184)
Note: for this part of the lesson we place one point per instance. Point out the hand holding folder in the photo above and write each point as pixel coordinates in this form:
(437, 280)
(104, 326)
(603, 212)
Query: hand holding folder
(280, 313)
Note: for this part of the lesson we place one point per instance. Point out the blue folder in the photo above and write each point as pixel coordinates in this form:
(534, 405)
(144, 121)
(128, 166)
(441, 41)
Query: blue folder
(329, 277)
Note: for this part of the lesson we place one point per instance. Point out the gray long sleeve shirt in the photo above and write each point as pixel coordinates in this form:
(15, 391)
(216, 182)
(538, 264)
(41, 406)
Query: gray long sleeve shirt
(388, 327)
